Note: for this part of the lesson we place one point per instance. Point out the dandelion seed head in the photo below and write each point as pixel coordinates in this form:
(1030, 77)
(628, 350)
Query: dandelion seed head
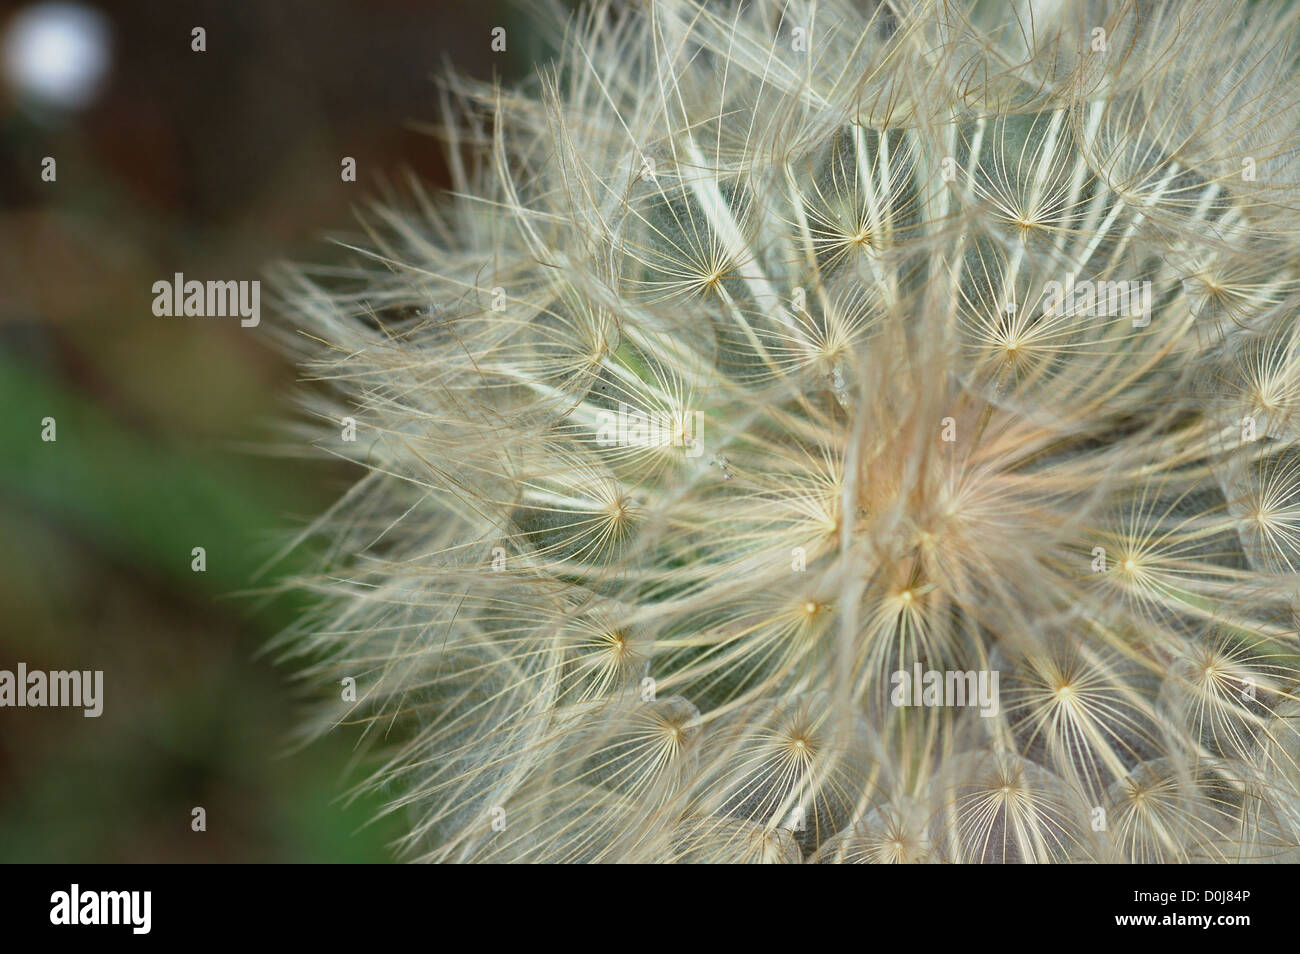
(732, 383)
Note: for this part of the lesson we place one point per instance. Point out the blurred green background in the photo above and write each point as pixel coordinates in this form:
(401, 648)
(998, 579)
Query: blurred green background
(215, 164)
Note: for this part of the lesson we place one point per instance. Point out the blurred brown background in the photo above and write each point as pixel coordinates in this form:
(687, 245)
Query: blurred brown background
(215, 164)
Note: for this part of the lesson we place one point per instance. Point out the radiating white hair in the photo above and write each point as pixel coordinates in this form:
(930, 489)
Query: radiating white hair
(734, 377)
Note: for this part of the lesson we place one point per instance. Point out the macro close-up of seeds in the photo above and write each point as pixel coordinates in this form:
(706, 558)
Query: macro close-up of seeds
(488, 434)
(817, 432)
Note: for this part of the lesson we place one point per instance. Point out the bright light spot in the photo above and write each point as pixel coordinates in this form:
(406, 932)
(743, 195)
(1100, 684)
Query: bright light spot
(57, 54)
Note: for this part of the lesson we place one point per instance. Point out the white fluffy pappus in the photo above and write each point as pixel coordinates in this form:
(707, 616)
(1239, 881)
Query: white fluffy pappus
(734, 376)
